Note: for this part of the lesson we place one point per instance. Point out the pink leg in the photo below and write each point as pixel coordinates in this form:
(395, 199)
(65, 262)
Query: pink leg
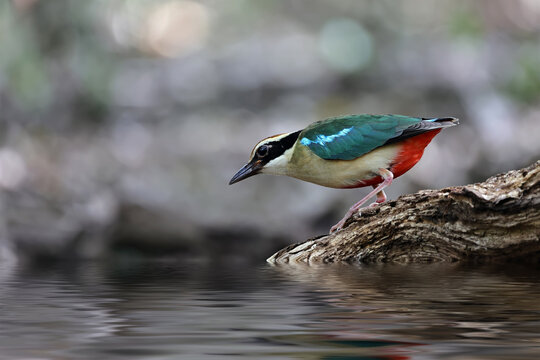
(381, 197)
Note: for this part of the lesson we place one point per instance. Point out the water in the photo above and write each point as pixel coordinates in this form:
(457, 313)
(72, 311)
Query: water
(197, 310)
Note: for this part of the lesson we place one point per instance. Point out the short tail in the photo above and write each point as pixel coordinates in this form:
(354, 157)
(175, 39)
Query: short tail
(438, 123)
(427, 124)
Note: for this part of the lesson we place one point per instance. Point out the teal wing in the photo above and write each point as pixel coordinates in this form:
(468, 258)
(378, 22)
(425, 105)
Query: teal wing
(349, 137)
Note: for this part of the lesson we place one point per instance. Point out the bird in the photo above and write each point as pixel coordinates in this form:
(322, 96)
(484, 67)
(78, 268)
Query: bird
(345, 152)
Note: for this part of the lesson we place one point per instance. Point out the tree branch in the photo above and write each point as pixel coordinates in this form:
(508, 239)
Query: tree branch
(496, 220)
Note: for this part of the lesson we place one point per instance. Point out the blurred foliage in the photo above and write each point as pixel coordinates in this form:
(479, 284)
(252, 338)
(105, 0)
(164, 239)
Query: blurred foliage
(70, 57)
(55, 57)
(465, 22)
(524, 84)
(135, 113)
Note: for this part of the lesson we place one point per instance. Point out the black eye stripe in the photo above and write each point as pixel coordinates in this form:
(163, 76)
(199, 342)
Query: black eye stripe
(277, 148)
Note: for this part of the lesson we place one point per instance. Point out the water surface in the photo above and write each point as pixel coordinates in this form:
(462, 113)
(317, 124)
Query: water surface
(179, 309)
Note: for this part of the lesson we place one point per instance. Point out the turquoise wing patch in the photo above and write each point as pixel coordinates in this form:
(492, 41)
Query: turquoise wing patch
(349, 137)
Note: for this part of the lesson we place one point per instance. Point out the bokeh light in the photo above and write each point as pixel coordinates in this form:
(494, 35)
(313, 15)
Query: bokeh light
(126, 118)
(345, 45)
(169, 29)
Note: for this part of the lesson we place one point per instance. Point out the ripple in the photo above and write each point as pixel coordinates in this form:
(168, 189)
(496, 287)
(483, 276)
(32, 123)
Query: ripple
(169, 310)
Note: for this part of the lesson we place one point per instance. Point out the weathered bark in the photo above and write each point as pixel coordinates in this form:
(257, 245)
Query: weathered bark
(496, 220)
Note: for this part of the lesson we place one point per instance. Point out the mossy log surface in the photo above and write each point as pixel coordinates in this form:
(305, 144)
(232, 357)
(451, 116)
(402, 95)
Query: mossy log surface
(496, 220)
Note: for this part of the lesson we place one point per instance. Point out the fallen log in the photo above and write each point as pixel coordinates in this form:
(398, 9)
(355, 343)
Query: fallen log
(496, 220)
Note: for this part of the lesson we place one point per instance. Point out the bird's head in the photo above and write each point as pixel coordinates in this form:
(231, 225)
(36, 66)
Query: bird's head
(270, 155)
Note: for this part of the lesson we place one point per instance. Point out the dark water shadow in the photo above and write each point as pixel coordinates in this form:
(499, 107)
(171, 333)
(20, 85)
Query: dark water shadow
(194, 308)
(443, 308)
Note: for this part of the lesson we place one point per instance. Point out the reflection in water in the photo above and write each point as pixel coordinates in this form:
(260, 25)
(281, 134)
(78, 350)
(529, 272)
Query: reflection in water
(448, 308)
(171, 310)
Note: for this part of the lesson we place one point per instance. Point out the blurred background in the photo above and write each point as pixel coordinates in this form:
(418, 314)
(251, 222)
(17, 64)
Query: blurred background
(121, 122)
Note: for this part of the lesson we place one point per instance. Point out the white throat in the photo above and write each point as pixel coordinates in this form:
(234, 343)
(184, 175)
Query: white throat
(279, 165)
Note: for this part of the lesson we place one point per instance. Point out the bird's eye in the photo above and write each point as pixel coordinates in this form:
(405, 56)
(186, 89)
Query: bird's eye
(262, 151)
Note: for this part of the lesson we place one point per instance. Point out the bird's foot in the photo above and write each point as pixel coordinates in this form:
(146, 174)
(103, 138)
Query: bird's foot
(354, 210)
(338, 226)
(381, 197)
(342, 222)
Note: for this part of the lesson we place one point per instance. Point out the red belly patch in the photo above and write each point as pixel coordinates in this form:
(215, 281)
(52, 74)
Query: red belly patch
(410, 152)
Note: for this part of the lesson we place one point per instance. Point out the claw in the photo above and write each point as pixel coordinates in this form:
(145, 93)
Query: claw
(381, 197)
(340, 224)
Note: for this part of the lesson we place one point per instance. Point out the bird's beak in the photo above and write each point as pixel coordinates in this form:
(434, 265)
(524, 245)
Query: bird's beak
(250, 169)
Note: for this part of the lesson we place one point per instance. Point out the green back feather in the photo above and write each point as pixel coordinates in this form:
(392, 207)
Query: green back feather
(349, 137)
